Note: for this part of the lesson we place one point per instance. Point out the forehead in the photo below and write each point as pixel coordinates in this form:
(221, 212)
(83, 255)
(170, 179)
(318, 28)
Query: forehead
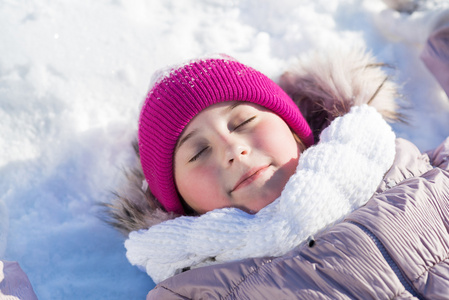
(214, 113)
(223, 109)
(218, 110)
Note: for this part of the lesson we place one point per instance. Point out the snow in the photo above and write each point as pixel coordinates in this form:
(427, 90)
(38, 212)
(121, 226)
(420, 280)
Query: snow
(74, 73)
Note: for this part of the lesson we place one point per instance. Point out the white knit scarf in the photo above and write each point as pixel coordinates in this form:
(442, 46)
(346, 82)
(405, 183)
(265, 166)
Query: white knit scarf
(332, 179)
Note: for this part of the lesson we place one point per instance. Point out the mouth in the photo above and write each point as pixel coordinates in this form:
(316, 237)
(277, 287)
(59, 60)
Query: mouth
(249, 177)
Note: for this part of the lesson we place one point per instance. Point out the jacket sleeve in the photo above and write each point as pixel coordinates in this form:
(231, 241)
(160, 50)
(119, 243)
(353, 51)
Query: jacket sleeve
(14, 283)
(439, 157)
(435, 56)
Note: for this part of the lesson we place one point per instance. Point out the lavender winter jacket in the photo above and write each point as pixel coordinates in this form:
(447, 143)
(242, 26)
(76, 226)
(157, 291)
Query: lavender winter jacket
(396, 246)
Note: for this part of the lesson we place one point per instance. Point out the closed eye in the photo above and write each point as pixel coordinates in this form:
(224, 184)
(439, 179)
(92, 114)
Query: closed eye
(196, 156)
(245, 122)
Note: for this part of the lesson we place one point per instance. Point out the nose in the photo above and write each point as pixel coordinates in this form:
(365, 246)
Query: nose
(236, 150)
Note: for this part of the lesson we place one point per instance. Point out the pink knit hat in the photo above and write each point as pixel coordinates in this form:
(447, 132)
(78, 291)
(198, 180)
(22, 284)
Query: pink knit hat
(183, 92)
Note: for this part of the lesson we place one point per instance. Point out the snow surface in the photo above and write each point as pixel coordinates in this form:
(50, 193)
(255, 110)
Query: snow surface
(74, 73)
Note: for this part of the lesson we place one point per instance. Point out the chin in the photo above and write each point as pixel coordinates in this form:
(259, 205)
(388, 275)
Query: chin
(260, 204)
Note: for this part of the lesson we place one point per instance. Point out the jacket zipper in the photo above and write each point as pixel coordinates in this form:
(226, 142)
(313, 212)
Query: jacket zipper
(389, 260)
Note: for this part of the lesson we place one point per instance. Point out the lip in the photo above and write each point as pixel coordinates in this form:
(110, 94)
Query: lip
(250, 176)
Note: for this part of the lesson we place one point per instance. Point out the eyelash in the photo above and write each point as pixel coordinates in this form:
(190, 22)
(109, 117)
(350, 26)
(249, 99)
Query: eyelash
(196, 156)
(245, 122)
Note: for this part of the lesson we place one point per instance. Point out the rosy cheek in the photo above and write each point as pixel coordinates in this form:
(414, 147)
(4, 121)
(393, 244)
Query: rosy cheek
(199, 186)
(264, 140)
(189, 181)
(279, 142)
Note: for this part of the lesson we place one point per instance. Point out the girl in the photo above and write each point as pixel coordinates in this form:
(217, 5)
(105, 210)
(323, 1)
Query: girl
(166, 143)
(230, 187)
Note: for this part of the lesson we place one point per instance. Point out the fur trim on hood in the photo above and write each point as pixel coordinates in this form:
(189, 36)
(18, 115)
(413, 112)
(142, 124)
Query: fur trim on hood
(323, 85)
(134, 206)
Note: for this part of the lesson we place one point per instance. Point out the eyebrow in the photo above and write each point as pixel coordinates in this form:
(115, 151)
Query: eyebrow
(184, 139)
(193, 132)
(233, 106)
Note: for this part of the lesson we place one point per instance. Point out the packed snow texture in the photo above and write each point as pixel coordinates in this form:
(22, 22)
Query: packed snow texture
(73, 75)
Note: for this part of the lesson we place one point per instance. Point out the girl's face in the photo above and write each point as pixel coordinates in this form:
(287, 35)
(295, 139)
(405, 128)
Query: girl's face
(234, 154)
